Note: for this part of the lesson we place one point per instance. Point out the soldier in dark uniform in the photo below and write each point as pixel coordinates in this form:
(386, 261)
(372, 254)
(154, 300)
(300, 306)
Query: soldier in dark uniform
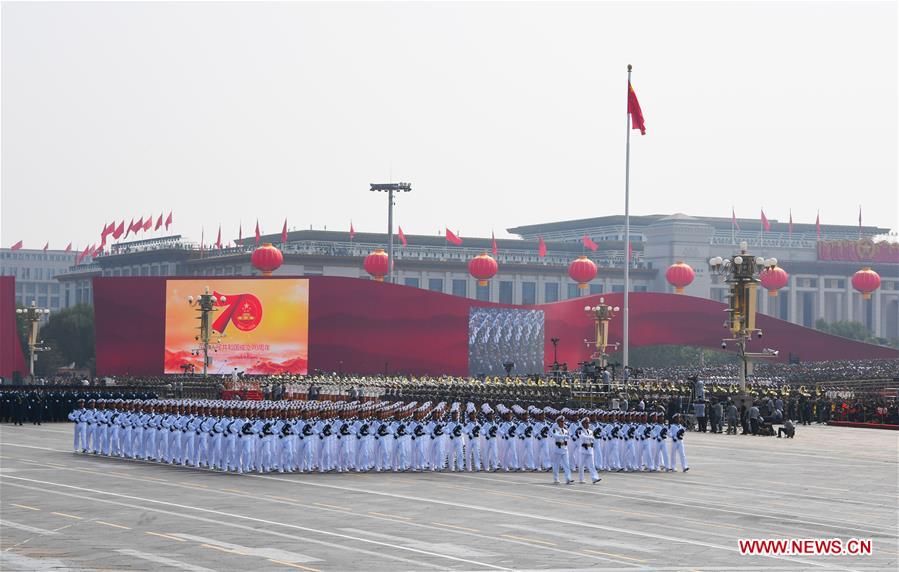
(18, 408)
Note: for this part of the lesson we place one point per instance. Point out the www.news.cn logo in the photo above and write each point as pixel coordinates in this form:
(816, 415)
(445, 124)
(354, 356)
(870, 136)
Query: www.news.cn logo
(805, 546)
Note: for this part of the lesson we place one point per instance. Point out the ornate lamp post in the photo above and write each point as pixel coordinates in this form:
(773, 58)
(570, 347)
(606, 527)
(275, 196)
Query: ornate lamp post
(33, 315)
(741, 273)
(601, 315)
(205, 305)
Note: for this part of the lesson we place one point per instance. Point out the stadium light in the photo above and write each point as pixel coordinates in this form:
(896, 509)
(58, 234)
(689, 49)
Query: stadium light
(390, 188)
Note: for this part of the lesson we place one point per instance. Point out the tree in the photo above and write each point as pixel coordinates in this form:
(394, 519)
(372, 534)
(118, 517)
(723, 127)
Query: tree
(70, 335)
(670, 355)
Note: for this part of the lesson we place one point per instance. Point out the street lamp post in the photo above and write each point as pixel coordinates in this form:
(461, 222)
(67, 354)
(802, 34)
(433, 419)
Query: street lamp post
(390, 188)
(601, 314)
(205, 305)
(33, 315)
(741, 273)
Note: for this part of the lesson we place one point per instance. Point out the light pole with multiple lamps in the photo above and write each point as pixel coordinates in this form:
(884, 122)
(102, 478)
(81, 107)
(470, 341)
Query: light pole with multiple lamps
(390, 188)
(205, 305)
(33, 315)
(741, 273)
(602, 313)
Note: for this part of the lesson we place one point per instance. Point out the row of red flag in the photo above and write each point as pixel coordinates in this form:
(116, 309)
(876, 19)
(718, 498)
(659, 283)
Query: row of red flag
(766, 224)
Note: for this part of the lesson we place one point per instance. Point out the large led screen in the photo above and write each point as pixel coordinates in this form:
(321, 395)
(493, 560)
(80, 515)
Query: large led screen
(503, 335)
(262, 327)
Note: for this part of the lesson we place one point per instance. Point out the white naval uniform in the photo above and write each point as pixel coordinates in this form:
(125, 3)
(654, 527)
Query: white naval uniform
(585, 452)
(676, 433)
(560, 453)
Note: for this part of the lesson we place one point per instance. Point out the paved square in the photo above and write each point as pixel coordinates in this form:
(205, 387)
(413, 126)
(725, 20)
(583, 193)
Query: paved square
(59, 511)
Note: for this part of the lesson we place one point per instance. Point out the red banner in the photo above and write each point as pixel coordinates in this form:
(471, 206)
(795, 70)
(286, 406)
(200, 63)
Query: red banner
(864, 250)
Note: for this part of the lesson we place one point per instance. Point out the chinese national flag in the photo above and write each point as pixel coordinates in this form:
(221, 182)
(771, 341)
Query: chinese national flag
(452, 238)
(138, 225)
(46, 246)
(258, 235)
(633, 107)
(158, 223)
(402, 236)
(733, 219)
(588, 242)
(493, 248)
(353, 232)
(119, 230)
(765, 224)
(69, 247)
(168, 220)
(16, 246)
(541, 247)
(130, 228)
(218, 240)
(284, 233)
(148, 223)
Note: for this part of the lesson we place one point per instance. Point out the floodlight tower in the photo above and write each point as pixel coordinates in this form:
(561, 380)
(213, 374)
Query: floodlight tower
(390, 188)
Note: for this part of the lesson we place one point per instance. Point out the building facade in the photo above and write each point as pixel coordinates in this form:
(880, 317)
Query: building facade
(820, 263)
(35, 272)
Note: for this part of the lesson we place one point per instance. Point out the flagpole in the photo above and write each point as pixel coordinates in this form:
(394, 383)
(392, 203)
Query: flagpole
(627, 232)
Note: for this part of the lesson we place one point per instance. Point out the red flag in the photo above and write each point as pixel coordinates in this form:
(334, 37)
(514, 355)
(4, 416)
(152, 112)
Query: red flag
(588, 242)
(493, 248)
(148, 223)
(258, 235)
(765, 224)
(541, 247)
(353, 232)
(818, 224)
(168, 220)
(117, 233)
(218, 240)
(46, 246)
(733, 219)
(81, 255)
(16, 246)
(128, 228)
(138, 225)
(97, 251)
(791, 223)
(284, 233)
(452, 238)
(158, 223)
(402, 236)
(107, 230)
(633, 107)
(630, 252)
(69, 247)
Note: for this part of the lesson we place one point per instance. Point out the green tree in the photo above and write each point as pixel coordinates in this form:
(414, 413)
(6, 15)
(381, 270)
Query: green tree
(846, 329)
(671, 355)
(70, 335)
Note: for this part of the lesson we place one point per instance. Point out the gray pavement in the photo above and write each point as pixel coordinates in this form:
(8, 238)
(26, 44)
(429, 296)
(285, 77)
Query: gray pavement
(61, 511)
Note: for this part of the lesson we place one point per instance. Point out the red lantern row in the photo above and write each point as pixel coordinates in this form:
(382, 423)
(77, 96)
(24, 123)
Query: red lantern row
(680, 275)
(483, 267)
(866, 281)
(267, 259)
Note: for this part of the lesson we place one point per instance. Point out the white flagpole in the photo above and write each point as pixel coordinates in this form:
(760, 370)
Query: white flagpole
(627, 232)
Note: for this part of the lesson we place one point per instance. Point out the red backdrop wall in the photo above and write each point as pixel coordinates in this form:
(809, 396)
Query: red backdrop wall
(11, 356)
(362, 326)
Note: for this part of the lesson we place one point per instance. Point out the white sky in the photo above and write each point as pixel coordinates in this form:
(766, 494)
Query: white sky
(499, 114)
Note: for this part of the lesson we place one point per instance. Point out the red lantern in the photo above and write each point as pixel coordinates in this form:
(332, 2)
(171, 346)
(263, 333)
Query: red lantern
(866, 281)
(483, 267)
(377, 264)
(680, 275)
(773, 279)
(267, 259)
(582, 270)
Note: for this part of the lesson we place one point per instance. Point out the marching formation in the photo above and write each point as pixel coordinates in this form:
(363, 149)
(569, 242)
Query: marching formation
(321, 436)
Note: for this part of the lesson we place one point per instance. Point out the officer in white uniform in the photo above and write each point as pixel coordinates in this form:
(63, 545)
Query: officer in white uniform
(560, 452)
(585, 450)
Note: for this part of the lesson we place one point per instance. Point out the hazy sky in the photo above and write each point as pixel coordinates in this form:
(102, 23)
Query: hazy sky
(499, 114)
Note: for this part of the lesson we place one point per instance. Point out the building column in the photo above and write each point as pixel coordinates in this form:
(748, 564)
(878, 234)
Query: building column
(877, 317)
(849, 300)
(820, 308)
(764, 303)
(791, 316)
